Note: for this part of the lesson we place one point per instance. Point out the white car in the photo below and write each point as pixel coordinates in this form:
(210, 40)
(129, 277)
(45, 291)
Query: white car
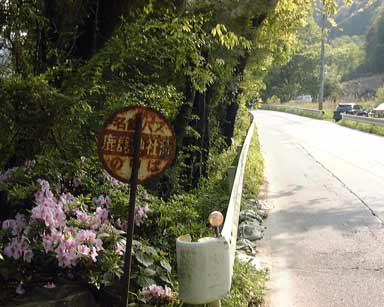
(378, 111)
(303, 98)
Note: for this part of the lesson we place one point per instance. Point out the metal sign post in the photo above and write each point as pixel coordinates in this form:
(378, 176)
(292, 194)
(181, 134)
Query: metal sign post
(132, 203)
(136, 144)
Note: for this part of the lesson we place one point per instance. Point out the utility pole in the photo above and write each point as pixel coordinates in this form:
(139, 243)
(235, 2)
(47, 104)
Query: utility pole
(322, 61)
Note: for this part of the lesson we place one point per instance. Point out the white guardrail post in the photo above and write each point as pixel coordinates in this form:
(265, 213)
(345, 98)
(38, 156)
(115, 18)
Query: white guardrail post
(205, 267)
(363, 119)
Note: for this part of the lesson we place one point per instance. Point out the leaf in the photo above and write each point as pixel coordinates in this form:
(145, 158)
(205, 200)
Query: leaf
(150, 250)
(149, 272)
(144, 259)
(165, 264)
(332, 22)
(144, 281)
(165, 278)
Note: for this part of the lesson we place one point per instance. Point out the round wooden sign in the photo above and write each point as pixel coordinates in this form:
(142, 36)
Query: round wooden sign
(157, 144)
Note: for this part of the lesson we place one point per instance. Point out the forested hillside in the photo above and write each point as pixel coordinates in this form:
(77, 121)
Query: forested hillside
(355, 19)
(353, 50)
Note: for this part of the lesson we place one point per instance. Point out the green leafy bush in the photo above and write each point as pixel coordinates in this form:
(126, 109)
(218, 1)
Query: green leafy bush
(248, 286)
(73, 227)
(273, 99)
(32, 115)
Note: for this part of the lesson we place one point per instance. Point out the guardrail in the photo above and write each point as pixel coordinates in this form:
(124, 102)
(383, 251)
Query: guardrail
(289, 108)
(363, 119)
(205, 267)
(231, 223)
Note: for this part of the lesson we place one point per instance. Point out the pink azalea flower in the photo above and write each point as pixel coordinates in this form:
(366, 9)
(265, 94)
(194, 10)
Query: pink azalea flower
(44, 184)
(29, 164)
(93, 254)
(8, 251)
(19, 289)
(69, 243)
(86, 235)
(15, 225)
(157, 292)
(48, 209)
(168, 292)
(17, 248)
(112, 181)
(48, 243)
(102, 201)
(82, 216)
(7, 175)
(28, 255)
(9, 225)
(83, 249)
(67, 258)
(66, 198)
(50, 285)
(77, 182)
(120, 249)
(102, 214)
(140, 214)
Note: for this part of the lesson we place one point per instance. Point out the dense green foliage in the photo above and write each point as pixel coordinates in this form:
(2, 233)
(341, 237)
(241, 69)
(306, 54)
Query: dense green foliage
(375, 44)
(301, 75)
(248, 286)
(355, 19)
(156, 230)
(66, 65)
(177, 58)
(374, 39)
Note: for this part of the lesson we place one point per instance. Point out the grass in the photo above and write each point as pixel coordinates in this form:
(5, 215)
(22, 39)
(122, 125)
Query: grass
(328, 106)
(369, 128)
(254, 169)
(300, 113)
(248, 286)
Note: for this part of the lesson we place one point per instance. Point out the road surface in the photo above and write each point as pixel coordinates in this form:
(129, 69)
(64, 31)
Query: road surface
(325, 235)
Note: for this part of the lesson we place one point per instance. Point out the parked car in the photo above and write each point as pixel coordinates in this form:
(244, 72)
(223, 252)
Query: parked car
(348, 108)
(303, 98)
(369, 112)
(378, 111)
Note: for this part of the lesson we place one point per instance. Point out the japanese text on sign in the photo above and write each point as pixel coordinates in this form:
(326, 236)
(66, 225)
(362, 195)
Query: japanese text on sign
(157, 146)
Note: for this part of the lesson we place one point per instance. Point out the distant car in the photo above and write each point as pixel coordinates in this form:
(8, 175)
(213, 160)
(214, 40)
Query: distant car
(370, 112)
(348, 108)
(378, 111)
(303, 98)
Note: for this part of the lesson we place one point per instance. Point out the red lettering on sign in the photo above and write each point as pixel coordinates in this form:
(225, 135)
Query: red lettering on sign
(153, 166)
(109, 142)
(157, 145)
(119, 123)
(116, 163)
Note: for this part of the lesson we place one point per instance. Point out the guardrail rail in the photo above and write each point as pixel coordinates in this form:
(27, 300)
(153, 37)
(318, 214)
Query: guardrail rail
(363, 119)
(289, 108)
(205, 267)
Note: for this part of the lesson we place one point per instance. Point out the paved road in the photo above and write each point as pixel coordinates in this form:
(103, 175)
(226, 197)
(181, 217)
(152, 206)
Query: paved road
(325, 236)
